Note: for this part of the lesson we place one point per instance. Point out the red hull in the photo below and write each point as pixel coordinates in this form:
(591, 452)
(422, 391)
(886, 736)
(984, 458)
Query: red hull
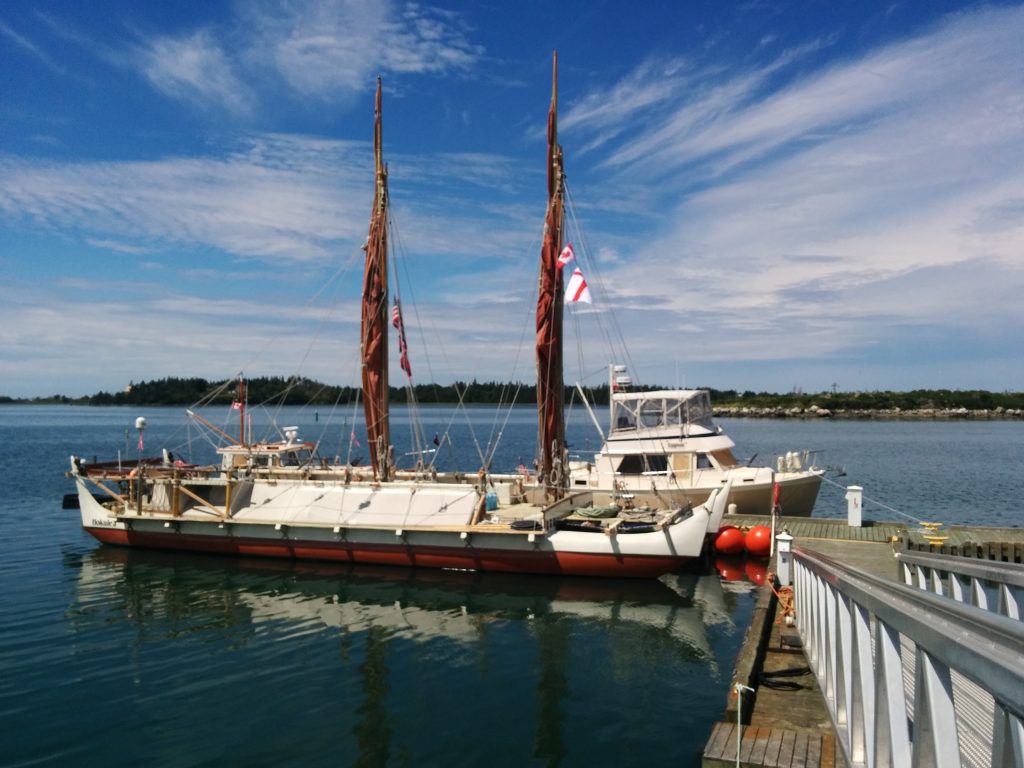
(494, 560)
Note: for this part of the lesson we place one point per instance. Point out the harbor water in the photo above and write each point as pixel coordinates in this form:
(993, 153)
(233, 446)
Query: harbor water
(119, 657)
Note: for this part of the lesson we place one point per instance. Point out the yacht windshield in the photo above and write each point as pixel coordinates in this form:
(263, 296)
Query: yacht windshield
(659, 409)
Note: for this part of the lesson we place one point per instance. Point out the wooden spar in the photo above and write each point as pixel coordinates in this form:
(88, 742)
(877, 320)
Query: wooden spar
(212, 426)
(139, 478)
(374, 334)
(206, 502)
(550, 387)
(241, 411)
(121, 498)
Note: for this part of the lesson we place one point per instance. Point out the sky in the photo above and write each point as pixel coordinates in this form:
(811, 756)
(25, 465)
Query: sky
(766, 196)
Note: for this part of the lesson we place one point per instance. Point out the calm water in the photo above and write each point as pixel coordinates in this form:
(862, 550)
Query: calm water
(125, 658)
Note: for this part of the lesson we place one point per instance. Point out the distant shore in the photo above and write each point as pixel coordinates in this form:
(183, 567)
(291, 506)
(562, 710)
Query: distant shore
(872, 414)
(723, 411)
(915, 405)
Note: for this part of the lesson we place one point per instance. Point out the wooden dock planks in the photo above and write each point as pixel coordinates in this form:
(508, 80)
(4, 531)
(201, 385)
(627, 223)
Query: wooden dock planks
(768, 747)
(793, 728)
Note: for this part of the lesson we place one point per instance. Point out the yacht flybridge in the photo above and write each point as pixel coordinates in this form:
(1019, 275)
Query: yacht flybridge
(663, 446)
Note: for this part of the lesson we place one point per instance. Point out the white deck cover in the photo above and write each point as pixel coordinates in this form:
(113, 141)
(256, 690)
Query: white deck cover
(391, 506)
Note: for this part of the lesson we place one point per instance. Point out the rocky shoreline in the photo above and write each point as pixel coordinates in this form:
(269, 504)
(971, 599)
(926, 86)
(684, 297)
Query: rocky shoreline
(885, 414)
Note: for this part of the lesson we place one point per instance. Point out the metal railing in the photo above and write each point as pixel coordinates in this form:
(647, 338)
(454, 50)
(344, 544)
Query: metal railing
(910, 678)
(990, 585)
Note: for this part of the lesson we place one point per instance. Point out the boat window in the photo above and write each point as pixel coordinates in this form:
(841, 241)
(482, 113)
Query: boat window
(703, 462)
(623, 417)
(651, 413)
(698, 409)
(296, 458)
(673, 413)
(636, 464)
(724, 458)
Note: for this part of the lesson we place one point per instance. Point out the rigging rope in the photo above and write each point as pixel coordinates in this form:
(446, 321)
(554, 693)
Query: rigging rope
(614, 338)
(865, 498)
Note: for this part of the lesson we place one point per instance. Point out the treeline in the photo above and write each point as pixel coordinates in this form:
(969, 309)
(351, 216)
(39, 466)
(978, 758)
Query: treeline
(302, 391)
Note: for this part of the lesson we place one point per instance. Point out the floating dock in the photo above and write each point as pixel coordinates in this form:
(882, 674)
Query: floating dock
(779, 716)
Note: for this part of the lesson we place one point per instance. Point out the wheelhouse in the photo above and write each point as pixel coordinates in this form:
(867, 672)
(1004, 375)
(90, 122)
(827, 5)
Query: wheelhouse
(268, 455)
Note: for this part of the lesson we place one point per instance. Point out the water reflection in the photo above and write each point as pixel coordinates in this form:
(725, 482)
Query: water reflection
(176, 594)
(736, 568)
(415, 647)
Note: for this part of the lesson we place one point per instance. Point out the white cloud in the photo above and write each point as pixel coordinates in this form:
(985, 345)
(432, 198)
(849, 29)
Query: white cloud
(278, 198)
(320, 48)
(27, 45)
(115, 245)
(195, 68)
(328, 49)
(810, 220)
(807, 220)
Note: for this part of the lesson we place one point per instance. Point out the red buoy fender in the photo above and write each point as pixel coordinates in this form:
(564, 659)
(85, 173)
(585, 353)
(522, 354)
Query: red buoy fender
(729, 540)
(758, 541)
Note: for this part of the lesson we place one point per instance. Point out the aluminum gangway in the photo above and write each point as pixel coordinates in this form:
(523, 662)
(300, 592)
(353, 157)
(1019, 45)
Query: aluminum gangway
(911, 677)
(990, 585)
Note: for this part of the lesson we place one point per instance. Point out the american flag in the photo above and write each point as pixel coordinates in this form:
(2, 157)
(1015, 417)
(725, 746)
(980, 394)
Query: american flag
(403, 350)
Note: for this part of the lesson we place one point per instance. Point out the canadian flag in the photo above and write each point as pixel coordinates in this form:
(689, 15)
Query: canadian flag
(566, 256)
(577, 289)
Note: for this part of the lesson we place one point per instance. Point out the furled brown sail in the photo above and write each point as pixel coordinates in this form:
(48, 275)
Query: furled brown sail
(374, 338)
(550, 387)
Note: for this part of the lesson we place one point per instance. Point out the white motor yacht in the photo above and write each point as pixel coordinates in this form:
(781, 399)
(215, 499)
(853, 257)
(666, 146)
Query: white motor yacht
(663, 446)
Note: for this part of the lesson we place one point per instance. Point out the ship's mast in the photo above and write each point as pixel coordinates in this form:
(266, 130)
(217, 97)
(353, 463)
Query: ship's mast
(551, 451)
(374, 336)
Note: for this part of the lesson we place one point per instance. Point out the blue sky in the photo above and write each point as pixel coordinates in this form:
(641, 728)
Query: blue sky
(766, 195)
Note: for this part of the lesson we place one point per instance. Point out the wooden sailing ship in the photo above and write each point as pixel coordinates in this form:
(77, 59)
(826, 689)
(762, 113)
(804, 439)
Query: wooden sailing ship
(279, 499)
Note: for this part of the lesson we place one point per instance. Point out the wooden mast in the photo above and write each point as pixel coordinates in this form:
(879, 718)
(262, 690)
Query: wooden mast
(550, 388)
(241, 411)
(374, 337)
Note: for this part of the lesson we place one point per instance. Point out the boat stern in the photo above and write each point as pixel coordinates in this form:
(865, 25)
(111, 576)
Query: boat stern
(96, 507)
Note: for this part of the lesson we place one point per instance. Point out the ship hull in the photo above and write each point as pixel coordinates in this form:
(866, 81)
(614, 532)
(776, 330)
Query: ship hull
(497, 560)
(467, 547)
(798, 492)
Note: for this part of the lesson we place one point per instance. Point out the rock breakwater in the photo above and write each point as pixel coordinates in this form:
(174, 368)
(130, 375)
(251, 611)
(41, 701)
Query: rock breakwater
(881, 414)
